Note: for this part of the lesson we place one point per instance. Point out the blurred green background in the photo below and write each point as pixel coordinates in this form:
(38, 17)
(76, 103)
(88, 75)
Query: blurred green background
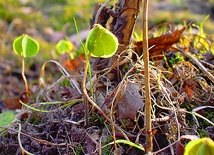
(51, 20)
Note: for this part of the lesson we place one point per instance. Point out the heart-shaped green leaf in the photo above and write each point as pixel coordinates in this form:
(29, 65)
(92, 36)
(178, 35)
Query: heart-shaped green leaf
(203, 146)
(64, 46)
(101, 42)
(25, 46)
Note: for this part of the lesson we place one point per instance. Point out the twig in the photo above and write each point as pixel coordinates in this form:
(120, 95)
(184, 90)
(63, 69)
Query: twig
(208, 64)
(99, 11)
(19, 132)
(117, 63)
(20, 143)
(148, 124)
(157, 152)
(63, 71)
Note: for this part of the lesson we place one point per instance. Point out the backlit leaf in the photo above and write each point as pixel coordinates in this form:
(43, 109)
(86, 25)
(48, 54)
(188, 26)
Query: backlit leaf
(17, 45)
(101, 42)
(203, 146)
(64, 46)
(25, 46)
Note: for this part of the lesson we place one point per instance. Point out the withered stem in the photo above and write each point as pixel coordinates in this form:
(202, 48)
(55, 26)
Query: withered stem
(148, 126)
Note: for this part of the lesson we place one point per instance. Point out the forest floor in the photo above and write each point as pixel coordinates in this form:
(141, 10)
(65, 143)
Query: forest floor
(56, 119)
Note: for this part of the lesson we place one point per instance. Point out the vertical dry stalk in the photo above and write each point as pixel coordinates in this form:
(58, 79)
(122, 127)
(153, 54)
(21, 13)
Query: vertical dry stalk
(148, 126)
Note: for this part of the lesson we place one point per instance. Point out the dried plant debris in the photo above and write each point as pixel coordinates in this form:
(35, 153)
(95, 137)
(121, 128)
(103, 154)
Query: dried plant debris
(159, 45)
(130, 101)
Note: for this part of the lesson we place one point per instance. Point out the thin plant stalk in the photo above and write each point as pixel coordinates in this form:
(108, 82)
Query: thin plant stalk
(97, 107)
(148, 126)
(23, 76)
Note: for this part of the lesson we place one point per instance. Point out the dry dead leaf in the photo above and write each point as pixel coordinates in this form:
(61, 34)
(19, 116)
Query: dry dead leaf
(14, 103)
(130, 101)
(75, 64)
(160, 44)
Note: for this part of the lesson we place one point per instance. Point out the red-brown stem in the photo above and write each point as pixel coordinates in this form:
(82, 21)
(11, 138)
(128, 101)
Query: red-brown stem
(23, 75)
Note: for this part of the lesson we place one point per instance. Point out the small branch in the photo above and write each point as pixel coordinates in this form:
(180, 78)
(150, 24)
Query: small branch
(148, 126)
(99, 11)
(159, 151)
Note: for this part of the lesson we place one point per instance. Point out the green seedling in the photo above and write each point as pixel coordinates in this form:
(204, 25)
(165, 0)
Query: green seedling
(25, 47)
(176, 59)
(101, 42)
(200, 40)
(203, 146)
(65, 46)
(201, 32)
